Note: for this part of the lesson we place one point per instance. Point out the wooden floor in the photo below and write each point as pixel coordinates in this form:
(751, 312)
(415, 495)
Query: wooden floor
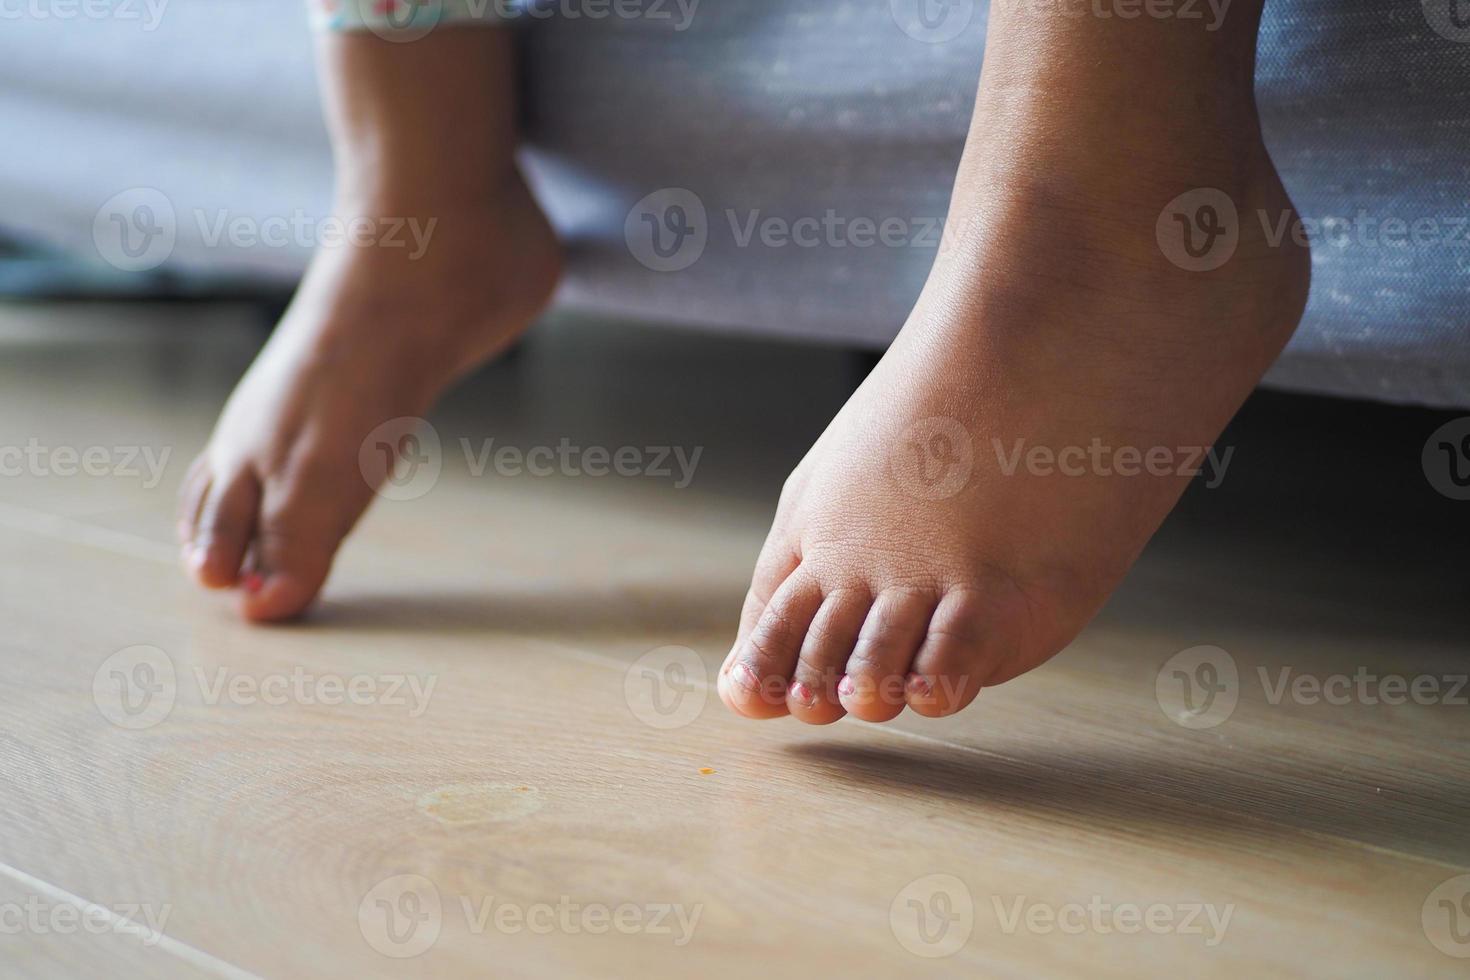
(570, 798)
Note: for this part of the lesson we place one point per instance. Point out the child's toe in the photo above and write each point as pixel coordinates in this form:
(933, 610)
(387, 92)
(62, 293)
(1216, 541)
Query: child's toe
(873, 687)
(951, 663)
(302, 524)
(223, 530)
(828, 643)
(756, 675)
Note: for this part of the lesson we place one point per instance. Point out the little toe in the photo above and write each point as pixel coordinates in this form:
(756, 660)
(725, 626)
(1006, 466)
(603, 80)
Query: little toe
(756, 675)
(951, 664)
(223, 530)
(873, 687)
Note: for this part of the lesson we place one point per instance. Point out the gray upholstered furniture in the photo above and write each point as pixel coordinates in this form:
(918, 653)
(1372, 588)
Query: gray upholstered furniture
(767, 112)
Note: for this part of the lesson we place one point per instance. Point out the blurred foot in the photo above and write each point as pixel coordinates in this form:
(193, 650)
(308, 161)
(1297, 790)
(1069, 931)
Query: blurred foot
(374, 334)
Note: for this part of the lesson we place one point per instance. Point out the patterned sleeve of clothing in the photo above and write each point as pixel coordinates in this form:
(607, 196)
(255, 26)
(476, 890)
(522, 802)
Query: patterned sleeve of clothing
(407, 17)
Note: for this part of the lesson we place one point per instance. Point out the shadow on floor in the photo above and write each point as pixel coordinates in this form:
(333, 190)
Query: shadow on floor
(1423, 817)
(569, 613)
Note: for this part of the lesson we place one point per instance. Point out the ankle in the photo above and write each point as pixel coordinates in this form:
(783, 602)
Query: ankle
(376, 189)
(1122, 39)
(1121, 75)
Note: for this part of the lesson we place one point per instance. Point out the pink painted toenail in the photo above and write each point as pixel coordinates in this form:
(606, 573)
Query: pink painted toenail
(253, 583)
(847, 685)
(746, 678)
(920, 686)
(802, 693)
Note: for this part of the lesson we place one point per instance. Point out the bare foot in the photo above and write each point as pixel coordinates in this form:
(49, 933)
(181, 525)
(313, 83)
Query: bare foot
(374, 334)
(924, 548)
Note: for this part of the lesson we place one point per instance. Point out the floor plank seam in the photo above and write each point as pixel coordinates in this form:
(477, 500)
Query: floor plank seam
(70, 529)
(124, 926)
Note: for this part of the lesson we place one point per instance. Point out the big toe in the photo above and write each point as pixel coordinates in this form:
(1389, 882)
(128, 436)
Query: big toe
(757, 673)
(286, 574)
(300, 530)
(222, 529)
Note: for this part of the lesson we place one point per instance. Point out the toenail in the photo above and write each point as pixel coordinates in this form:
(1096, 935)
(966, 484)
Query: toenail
(198, 556)
(847, 686)
(802, 693)
(919, 685)
(746, 678)
(253, 582)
